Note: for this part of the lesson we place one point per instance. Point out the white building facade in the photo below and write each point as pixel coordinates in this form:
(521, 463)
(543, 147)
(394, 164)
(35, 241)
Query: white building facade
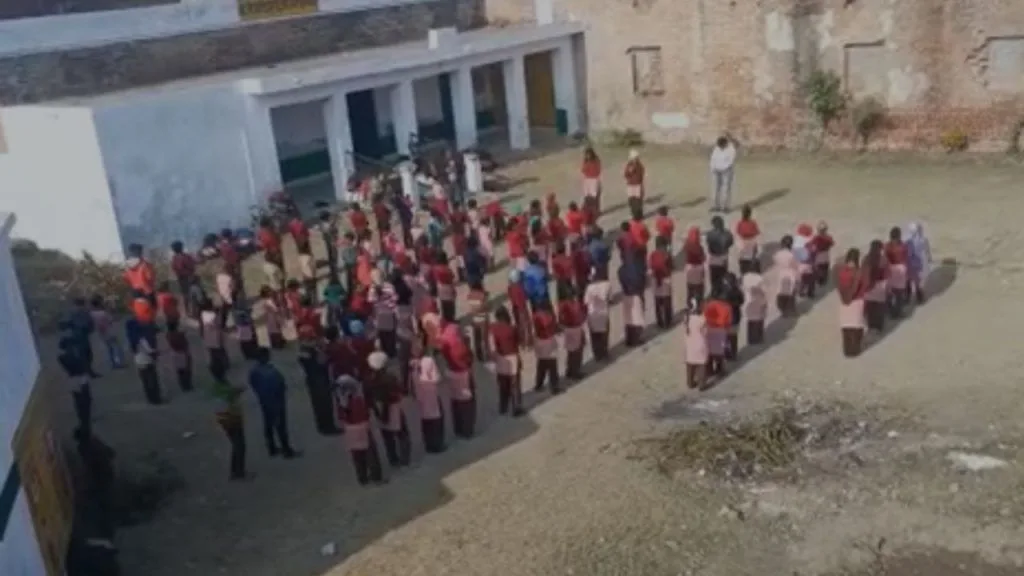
(175, 162)
(19, 552)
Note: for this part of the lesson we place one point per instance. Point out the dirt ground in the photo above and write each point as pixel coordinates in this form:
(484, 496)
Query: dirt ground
(562, 491)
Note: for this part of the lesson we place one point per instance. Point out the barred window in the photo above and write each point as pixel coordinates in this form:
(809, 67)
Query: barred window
(645, 62)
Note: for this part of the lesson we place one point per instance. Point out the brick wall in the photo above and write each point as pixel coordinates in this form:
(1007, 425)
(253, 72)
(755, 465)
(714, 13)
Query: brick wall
(738, 65)
(118, 66)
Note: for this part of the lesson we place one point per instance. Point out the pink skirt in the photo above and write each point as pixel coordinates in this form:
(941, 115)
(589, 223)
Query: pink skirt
(787, 282)
(693, 274)
(878, 292)
(696, 347)
(632, 311)
(507, 365)
(804, 269)
(748, 249)
(851, 315)
(357, 436)
(519, 263)
(634, 191)
(445, 292)
(718, 339)
(591, 187)
(822, 258)
(898, 277)
(461, 385)
(394, 418)
(598, 323)
(663, 288)
(545, 349)
(719, 260)
(427, 399)
(385, 320)
(755, 310)
(573, 337)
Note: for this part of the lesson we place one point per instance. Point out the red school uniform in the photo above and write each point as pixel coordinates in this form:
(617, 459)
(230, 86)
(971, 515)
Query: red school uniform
(634, 173)
(551, 207)
(747, 229)
(557, 230)
(574, 221)
(504, 339)
(571, 313)
(269, 240)
(591, 169)
(299, 231)
(359, 222)
(517, 296)
(443, 275)
(562, 268)
(516, 244)
(664, 227)
(168, 305)
(660, 264)
(382, 214)
(183, 265)
(581, 264)
(545, 326)
(896, 253)
(638, 230)
(822, 242)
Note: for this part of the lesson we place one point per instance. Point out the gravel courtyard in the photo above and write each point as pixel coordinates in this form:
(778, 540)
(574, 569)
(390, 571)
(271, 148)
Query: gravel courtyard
(564, 489)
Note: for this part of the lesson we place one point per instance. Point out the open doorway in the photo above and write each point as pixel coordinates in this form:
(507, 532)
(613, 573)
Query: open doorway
(491, 109)
(300, 137)
(364, 124)
(540, 90)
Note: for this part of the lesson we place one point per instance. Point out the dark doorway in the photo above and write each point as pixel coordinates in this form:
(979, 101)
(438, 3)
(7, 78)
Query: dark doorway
(362, 117)
(447, 111)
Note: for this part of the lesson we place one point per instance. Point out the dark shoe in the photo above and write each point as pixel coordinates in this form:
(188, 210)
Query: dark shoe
(292, 454)
(273, 452)
(518, 413)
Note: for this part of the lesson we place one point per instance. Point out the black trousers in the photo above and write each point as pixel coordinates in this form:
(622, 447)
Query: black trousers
(388, 342)
(82, 399)
(235, 431)
(321, 402)
(696, 376)
(367, 465)
(634, 335)
(397, 445)
(747, 266)
(695, 292)
(150, 384)
(898, 299)
(599, 345)
(874, 314)
(574, 363)
(821, 274)
(218, 359)
(547, 374)
(663, 311)
(510, 394)
(786, 304)
(807, 285)
(433, 435)
(853, 339)
(480, 341)
(755, 332)
(734, 344)
(448, 310)
(275, 427)
(185, 378)
(717, 274)
(464, 417)
(636, 206)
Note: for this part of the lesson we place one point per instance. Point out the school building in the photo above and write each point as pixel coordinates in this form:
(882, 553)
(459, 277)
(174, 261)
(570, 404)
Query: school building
(140, 157)
(35, 502)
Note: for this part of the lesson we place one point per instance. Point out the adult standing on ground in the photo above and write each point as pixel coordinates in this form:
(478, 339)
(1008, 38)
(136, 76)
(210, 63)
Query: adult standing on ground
(634, 174)
(723, 161)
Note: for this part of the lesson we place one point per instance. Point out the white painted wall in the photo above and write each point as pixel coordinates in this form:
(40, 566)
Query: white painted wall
(19, 550)
(67, 31)
(52, 177)
(178, 163)
(299, 129)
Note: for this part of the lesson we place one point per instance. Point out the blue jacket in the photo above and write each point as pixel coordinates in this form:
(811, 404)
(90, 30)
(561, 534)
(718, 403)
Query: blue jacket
(268, 384)
(535, 283)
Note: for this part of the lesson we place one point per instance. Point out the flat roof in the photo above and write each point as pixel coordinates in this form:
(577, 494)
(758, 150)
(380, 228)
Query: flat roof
(344, 65)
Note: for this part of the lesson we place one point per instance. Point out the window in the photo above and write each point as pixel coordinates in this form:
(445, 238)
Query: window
(647, 70)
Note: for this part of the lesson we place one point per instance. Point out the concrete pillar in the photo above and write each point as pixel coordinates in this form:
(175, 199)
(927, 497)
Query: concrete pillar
(515, 101)
(410, 188)
(339, 143)
(403, 114)
(474, 174)
(564, 70)
(464, 107)
(261, 152)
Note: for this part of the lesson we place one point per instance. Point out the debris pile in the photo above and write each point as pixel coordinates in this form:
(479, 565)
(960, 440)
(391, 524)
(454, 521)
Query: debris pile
(769, 446)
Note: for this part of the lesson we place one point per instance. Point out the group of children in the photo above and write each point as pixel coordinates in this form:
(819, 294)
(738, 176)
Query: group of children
(385, 326)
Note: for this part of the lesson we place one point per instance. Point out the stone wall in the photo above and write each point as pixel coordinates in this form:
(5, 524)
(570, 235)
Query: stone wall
(686, 70)
(119, 66)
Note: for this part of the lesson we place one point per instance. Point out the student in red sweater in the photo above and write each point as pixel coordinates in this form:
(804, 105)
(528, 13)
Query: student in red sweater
(660, 265)
(664, 226)
(634, 174)
(897, 256)
(167, 302)
(572, 315)
(517, 245)
(562, 271)
(445, 279)
(520, 308)
(695, 258)
(507, 362)
(574, 221)
(545, 327)
(718, 315)
(747, 231)
(823, 244)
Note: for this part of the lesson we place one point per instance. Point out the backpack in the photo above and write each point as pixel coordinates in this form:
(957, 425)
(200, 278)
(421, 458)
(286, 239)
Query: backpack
(535, 284)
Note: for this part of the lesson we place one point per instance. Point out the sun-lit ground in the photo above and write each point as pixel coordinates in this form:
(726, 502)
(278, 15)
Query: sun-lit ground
(559, 492)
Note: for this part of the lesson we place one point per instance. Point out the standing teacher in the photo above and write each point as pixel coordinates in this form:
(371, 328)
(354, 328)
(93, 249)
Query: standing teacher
(723, 160)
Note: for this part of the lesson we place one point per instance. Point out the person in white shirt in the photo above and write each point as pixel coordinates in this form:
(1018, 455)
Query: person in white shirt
(723, 159)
